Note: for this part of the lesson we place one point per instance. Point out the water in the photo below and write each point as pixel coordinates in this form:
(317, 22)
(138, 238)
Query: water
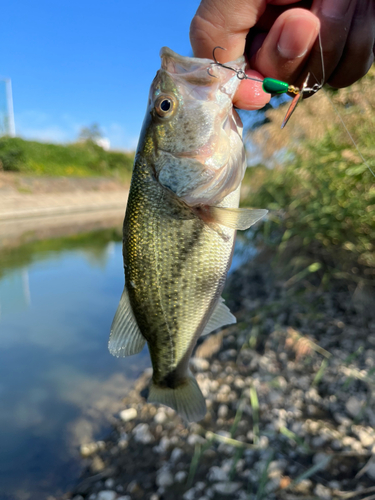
(58, 383)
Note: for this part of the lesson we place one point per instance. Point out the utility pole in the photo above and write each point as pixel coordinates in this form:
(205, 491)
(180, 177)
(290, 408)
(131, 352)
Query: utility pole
(7, 126)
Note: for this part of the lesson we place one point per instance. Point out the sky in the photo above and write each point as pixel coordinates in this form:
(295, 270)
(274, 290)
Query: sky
(74, 63)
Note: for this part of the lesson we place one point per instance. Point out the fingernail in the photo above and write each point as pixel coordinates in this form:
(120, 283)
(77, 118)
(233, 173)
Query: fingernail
(335, 9)
(292, 46)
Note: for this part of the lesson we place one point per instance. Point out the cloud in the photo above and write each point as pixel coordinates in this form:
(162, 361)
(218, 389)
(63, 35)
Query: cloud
(120, 138)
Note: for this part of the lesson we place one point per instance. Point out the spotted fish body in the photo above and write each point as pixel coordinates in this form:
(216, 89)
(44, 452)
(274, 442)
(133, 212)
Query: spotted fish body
(180, 225)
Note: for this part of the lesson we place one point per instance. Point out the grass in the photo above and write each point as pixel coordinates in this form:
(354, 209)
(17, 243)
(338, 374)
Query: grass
(321, 196)
(80, 159)
(255, 413)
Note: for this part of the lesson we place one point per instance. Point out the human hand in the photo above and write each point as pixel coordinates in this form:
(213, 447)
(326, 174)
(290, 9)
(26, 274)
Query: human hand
(279, 40)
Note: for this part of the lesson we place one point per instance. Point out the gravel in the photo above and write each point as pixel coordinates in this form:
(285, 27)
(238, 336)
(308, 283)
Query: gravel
(306, 356)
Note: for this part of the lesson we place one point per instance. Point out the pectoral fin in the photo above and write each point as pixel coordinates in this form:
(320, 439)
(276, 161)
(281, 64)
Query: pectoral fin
(235, 218)
(220, 317)
(125, 338)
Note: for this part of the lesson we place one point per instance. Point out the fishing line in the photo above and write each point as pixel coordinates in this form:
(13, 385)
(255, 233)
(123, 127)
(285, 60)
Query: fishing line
(241, 75)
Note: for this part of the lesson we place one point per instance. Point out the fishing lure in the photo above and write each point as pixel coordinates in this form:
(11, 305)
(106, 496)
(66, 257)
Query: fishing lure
(273, 86)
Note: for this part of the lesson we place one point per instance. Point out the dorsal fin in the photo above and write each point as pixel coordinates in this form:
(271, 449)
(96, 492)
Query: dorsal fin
(125, 338)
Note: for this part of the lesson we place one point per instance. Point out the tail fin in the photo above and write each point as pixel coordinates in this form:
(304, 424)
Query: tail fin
(187, 399)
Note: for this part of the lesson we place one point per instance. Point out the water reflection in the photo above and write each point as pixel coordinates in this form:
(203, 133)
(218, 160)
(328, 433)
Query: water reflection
(58, 383)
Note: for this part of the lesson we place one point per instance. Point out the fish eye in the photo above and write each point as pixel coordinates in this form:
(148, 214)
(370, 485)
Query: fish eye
(165, 105)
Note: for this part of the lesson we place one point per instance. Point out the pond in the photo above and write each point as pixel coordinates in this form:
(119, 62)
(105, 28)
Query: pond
(59, 386)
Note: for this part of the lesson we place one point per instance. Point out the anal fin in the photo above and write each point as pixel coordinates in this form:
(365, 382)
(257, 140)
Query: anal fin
(126, 338)
(221, 316)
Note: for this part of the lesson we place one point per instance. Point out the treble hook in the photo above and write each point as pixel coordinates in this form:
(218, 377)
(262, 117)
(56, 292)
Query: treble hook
(241, 75)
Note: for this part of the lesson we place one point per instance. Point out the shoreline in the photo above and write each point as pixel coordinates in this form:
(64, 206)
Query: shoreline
(290, 392)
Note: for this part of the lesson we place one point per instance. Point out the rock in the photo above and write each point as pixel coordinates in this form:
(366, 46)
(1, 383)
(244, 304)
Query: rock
(222, 411)
(123, 441)
(342, 419)
(160, 417)
(210, 493)
(163, 445)
(318, 441)
(199, 364)
(228, 355)
(106, 495)
(365, 437)
(142, 434)
(128, 414)
(78, 497)
(239, 383)
(88, 449)
(176, 455)
(180, 476)
(303, 486)
(164, 478)
(200, 485)
(217, 474)
(226, 488)
(275, 397)
(194, 439)
(97, 464)
(263, 442)
(353, 406)
(125, 497)
(109, 483)
(190, 494)
(133, 487)
(322, 492)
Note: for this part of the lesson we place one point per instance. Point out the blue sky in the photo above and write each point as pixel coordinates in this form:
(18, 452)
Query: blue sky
(73, 63)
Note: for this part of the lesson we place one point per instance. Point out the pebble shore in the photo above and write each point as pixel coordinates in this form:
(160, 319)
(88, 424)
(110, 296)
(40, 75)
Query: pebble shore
(290, 391)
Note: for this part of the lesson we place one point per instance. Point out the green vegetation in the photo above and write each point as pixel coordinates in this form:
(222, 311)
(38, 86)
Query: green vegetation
(323, 201)
(83, 158)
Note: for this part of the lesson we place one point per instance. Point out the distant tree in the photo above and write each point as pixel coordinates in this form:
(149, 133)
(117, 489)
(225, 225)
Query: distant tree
(90, 133)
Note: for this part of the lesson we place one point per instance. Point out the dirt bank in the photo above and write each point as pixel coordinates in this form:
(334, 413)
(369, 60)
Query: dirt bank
(38, 207)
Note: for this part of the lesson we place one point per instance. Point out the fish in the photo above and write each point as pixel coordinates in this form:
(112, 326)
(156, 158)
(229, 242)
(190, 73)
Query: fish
(180, 224)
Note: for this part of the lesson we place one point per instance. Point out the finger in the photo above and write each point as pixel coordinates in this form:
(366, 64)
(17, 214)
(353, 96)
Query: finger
(335, 19)
(358, 53)
(225, 23)
(287, 46)
(250, 94)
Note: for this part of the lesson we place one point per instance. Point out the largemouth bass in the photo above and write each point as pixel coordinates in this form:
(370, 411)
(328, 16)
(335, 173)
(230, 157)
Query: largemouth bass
(180, 224)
